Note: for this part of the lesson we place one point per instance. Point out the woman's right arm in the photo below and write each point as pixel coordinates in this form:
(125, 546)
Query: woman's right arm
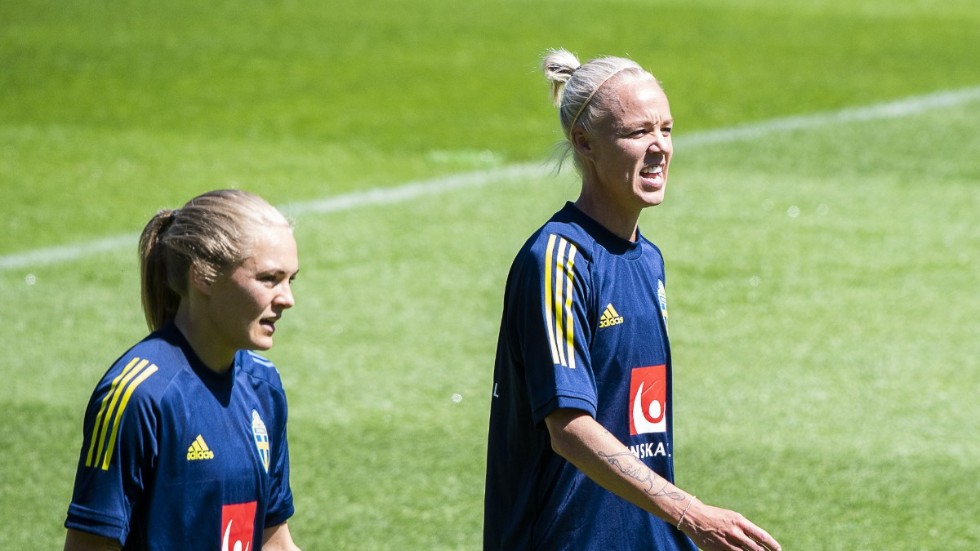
(577, 437)
(77, 540)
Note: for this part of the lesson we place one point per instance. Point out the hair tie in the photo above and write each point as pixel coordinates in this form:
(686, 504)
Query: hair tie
(589, 99)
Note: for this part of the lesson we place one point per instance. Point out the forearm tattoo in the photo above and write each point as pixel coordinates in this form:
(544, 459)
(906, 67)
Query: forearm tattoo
(629, 465)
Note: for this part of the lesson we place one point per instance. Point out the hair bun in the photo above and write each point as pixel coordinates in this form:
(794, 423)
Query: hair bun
(167, 217)
(558, 66)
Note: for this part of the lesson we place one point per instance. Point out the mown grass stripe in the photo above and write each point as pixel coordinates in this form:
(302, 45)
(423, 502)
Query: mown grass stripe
(412, 190)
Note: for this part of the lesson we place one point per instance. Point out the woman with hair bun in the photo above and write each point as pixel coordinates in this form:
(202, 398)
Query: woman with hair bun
(580, 447)
(184, 438)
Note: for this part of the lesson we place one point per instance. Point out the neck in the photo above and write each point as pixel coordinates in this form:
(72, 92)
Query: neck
(216, 359)
(620, 221)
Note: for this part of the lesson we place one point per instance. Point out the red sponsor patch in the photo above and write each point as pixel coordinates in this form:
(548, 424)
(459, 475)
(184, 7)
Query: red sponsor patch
(648, 400)
(237, 526)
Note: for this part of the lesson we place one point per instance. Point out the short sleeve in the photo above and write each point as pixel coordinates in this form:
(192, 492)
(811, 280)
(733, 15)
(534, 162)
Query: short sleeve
(552, 320)
(118, 447)
(280, 494)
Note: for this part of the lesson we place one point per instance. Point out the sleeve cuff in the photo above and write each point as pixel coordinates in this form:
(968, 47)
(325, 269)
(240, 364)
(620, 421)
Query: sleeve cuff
(563, 402)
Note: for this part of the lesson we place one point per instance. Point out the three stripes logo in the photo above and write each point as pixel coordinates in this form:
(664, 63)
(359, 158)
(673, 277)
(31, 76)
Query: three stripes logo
(102, 442)
(662, 297)
(559, 277)
(199, 450)
(609, 317)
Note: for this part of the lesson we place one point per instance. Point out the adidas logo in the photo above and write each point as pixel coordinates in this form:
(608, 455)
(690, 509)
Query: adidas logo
(199, 450)
(610, 317)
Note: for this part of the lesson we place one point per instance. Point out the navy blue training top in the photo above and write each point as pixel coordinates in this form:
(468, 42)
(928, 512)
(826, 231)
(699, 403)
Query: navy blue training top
(176, 456)
(584, 327)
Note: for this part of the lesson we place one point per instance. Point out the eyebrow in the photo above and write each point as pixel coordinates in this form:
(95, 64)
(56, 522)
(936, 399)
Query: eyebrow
(277, 271)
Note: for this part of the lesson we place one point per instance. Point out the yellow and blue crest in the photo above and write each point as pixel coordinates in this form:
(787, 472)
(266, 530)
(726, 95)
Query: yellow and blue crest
(261, 436)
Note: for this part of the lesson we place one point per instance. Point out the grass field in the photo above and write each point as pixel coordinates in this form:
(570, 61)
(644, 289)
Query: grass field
(822, 278)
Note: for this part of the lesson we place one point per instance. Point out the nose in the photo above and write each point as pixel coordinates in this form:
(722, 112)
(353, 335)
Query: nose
(285, 297)
(660, 143)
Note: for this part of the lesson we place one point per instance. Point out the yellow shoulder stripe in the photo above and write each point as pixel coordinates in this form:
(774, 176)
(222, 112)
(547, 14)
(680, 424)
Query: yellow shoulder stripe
(559, 273)
(102, 442)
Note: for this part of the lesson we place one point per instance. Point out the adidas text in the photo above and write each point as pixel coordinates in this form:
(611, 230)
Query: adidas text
(610, 322)
(193, 455)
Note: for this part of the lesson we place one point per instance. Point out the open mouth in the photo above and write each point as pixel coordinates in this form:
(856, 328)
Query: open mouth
(652, 171)
(269, 324)
(653, 174)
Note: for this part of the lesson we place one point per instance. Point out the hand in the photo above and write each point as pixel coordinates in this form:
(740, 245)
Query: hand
(716, 529)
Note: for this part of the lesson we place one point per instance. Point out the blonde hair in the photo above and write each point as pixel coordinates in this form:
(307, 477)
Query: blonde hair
(577, 89)
(208, 234)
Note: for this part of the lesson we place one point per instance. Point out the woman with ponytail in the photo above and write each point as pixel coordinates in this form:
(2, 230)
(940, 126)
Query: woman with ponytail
(581, 444)
(184, 438)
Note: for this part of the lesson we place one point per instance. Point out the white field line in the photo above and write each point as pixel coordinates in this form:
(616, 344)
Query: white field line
(891, 110)
(411, 190)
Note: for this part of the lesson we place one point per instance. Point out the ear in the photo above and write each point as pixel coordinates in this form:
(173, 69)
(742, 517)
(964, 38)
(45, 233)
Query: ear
(581, 143)
(199, 282)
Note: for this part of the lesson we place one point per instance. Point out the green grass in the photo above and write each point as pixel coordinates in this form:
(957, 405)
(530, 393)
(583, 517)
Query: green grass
(822, 283)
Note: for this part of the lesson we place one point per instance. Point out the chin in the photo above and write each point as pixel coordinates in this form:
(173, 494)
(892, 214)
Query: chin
(650, 194)
(260, 343)
(653, 199)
